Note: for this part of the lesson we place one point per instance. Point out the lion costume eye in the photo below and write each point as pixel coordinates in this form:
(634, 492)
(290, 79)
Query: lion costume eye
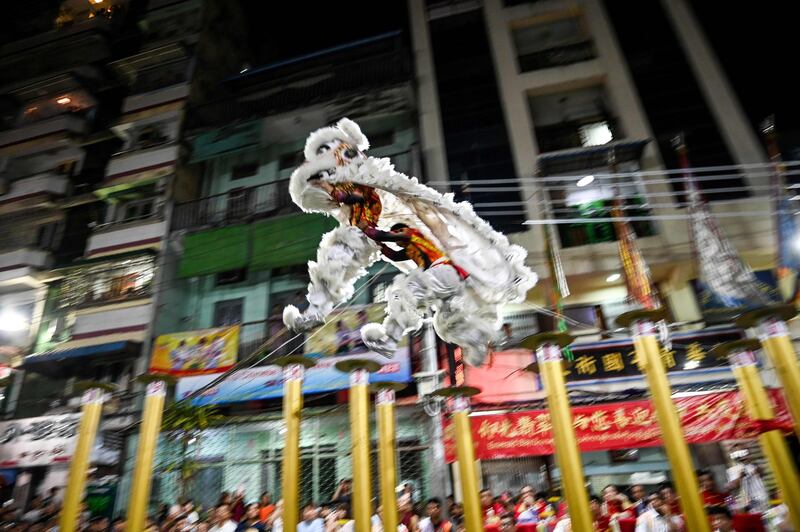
(350, 153)
(322, 149)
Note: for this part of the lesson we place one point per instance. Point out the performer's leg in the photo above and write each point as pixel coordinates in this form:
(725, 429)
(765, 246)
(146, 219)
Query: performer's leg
(408, 300)
(469, 323)
(342, 257)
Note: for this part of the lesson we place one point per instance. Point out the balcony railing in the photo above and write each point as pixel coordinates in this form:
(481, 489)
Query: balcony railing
(106, 283)
(556, 57)
(235, 206)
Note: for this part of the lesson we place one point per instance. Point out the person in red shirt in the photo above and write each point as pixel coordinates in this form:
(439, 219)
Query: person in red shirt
(492, 510)
(711, 497)
(602, 523)
(615, 504)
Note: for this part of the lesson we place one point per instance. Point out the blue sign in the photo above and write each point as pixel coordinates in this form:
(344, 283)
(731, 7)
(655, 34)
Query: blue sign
(266, 382)
(716, 311)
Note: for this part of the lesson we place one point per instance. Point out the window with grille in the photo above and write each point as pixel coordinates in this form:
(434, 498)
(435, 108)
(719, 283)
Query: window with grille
(228, 312)
(244, 165)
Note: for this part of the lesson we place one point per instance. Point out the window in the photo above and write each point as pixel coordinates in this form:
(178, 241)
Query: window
(238, 205)
(228, 312)
(290, 160)
(381, 140)
(579, 318)
(231, 277)
(573, 119)
(136, 210)
(557, 43)
(244, 165)
(49, 235)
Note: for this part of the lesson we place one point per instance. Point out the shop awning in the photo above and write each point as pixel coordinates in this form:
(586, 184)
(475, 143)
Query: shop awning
(215, 250)
(288, 240)
(59, 355)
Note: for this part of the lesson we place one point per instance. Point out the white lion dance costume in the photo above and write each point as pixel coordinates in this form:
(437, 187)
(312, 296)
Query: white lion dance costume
(455, 265)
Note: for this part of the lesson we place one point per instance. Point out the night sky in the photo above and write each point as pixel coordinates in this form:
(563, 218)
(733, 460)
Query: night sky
(281, 29)
(758, 49)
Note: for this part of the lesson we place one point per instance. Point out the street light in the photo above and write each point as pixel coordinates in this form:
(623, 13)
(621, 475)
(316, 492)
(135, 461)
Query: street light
(12, 321)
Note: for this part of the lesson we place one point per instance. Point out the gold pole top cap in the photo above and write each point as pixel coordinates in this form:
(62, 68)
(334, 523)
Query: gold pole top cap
(82, 386)
(387, 385)
(147, 378)
(347, 366)
(291, 360)
(457, 391)
(726, 348)
(533, 341)
(752, 318)
(627, 319)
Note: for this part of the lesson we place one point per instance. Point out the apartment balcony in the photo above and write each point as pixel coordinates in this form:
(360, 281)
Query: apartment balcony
(46, 134)
(135, 165)
(134, 232)
(55, 51)
(162, 95)
(20, 266)
(578, 133)
(103, 322)
(32, 191)
(557, 57)
(234, 207)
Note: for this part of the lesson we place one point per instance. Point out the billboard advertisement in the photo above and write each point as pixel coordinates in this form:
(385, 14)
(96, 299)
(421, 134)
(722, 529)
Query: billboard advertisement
(339, 339)
(196, 352)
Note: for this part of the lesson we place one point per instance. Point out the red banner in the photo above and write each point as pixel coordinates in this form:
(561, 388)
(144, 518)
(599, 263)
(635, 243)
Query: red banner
(705, 418)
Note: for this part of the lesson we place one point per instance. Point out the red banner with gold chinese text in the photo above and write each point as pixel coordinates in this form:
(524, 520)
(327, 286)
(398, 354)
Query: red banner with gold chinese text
(705, 418)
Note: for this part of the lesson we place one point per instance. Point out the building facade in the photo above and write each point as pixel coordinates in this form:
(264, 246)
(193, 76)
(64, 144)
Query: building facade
(552, 114)
(94, 106)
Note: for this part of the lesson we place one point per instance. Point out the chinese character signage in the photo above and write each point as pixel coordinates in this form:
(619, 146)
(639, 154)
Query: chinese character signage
(38, 441)
(196, 352)
(689, 351)
(705, 418)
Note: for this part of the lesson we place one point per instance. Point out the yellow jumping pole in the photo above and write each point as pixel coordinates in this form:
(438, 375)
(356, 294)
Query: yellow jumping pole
(774, 335)
(741, 355)
(294, 368)
(465, 453)
(91, 410)
(648, 357)
(387, 449)
(359, 371)
(146, 449)
(551, 367)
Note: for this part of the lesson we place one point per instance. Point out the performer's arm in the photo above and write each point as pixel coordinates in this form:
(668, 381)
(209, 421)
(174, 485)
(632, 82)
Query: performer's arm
(381, 236)
(395, 255)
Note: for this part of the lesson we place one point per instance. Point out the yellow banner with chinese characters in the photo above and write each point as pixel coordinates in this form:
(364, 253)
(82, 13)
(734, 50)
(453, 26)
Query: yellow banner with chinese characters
(196, 352)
